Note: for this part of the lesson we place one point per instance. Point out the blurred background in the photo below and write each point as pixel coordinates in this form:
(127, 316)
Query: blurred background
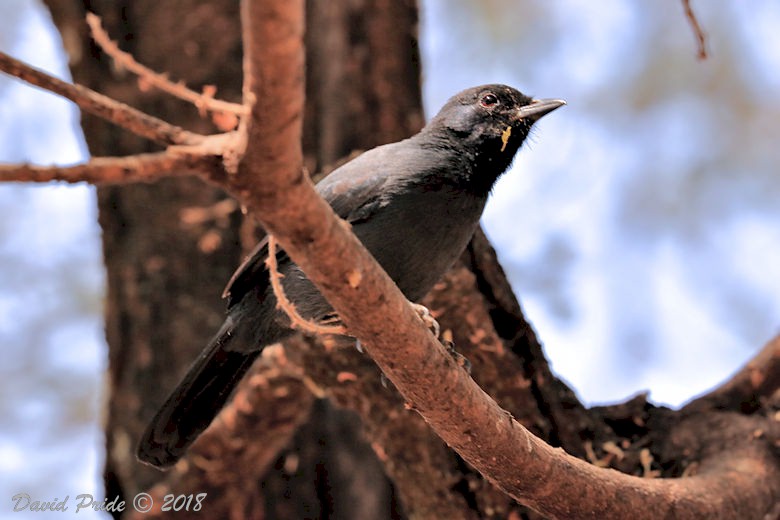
(639, 226)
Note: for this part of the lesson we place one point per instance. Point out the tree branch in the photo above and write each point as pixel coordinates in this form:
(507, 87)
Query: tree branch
(273, 88)
(102, 106)
(203, 101)
(296, 320)
(272, 184)
(697, 30)
(118, 170)
(759, 378)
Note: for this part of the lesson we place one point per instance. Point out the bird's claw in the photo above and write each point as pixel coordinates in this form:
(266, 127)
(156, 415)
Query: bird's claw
(427, 318)
(459, 358)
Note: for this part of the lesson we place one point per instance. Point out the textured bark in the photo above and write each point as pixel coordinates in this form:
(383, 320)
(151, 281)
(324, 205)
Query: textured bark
(230, 459)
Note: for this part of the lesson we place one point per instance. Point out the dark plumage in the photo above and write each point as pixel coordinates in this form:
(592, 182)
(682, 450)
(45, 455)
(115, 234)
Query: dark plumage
(414, 204)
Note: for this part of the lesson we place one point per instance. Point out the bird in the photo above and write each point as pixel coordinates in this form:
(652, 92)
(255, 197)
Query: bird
(414, 204)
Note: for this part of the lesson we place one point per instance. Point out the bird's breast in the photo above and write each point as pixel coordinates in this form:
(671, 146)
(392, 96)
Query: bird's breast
(419, 234)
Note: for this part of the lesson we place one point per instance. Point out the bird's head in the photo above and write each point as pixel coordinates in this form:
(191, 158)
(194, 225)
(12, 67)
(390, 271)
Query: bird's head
(490, 123)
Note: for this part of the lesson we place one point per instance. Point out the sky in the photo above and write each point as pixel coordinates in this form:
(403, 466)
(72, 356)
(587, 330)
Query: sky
(639, 226)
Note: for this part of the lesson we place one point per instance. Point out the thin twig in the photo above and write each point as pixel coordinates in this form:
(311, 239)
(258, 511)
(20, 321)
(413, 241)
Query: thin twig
(102, 106)
(284, 303)
(697, 30)
(112, 170)
(203, 101)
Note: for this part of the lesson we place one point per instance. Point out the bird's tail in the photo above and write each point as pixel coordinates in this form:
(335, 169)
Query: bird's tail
(196, 400)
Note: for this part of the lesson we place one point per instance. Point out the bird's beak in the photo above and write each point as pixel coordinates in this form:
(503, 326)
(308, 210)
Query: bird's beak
(539, 108)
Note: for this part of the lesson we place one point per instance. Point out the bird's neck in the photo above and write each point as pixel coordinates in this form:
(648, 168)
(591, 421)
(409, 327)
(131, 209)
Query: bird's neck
(476, 165)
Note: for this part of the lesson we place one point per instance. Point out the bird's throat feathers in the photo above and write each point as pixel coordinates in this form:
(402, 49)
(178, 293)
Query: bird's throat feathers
(476, 165)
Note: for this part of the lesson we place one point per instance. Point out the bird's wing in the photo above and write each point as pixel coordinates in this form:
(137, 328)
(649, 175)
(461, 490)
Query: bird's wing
(359, 188)
(241, 282)
(354, 191)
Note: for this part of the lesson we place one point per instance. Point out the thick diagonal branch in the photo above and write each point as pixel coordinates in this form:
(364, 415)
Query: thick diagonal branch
(273, 185)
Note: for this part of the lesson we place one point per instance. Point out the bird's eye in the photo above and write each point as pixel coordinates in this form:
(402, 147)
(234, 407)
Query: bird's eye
(488, 100)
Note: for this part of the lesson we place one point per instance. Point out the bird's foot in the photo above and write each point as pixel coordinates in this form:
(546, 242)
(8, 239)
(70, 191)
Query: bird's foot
(427, 318)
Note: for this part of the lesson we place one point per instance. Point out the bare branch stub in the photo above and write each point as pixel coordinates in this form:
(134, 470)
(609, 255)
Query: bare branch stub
(102, 106)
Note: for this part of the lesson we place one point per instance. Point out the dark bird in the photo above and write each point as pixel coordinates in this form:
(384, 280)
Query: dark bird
(413, 204)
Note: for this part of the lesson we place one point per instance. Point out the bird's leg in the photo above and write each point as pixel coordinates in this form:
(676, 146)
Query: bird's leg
(427, 318)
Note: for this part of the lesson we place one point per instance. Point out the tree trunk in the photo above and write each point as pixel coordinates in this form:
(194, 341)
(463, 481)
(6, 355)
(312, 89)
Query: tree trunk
(170, 247)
